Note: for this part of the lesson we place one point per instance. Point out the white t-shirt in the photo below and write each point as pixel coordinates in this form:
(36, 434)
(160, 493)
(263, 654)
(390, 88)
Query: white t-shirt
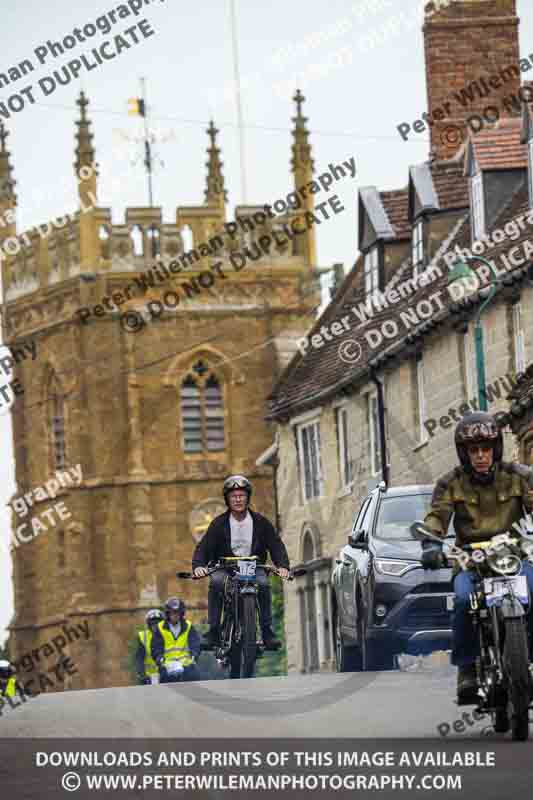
(241, 534)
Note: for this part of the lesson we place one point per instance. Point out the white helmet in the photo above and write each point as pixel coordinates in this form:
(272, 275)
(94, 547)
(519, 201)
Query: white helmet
(6, 670)
(155, 615)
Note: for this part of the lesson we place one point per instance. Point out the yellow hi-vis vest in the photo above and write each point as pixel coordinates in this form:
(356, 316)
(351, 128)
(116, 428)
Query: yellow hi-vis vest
(150, 667)
(176, 649)
(11, 688)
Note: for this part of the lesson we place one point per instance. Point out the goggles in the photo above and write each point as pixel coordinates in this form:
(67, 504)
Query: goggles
(237, 483)
(478, 432)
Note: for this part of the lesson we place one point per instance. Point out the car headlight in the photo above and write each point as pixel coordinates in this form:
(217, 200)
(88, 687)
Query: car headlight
(392, 566)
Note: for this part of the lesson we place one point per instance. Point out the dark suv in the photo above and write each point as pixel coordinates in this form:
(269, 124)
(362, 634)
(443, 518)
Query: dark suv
(384, 603)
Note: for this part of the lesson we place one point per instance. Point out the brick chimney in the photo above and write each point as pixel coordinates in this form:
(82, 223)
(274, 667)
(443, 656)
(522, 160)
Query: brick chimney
(472, 63)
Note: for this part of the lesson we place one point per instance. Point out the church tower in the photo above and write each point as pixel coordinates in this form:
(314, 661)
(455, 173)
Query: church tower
(153, 379)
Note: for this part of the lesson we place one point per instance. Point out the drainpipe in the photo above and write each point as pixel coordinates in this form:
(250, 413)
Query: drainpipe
(381, 425)
(275, 466)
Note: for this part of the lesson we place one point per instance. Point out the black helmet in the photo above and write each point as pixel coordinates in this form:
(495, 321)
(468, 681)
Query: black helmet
(173, 604)
(236, 482)
(6, 670)
(478, 428)
(155, 615)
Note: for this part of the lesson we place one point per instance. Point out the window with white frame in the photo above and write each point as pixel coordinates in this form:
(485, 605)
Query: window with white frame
(421, 401)
(518, 337)
(478, 207)
(530, 151)
(308, 437)
(372, 272)
(345, 464)
(374, 438)
(417, 246)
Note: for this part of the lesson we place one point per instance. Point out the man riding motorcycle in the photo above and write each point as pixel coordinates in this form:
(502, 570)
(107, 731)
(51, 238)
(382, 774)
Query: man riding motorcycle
(240, 532)
(487, 497)
(176, 645)
(145, 664)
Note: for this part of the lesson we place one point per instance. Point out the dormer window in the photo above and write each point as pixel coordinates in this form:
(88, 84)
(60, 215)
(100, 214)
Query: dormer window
(530, 171)
(372, 272)
(417, 246)
(478, 207)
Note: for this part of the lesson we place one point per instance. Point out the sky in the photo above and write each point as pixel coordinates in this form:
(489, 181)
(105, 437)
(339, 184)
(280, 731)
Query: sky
(359, 63)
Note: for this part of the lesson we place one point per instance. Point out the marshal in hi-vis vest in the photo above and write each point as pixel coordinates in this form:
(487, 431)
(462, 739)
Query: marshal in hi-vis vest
(150, 667)
(11, 688)
(176, 649)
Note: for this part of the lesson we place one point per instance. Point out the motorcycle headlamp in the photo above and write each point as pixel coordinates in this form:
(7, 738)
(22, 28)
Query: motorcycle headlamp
(506, 564)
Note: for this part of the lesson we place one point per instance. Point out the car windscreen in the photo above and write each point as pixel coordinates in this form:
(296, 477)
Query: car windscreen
(396, 514)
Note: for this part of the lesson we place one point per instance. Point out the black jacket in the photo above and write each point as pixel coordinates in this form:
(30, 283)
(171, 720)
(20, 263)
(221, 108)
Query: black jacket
(216, 542)
(158, 644)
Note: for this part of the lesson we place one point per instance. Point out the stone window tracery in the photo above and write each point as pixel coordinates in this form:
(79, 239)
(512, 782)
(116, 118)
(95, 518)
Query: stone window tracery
(202, 411)
(57, 423)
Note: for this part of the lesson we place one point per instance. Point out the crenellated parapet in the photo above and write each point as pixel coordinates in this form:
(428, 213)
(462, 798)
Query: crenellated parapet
(89, 245)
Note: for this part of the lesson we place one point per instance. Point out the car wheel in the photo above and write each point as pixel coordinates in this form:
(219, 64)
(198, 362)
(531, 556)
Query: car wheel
(347, 659)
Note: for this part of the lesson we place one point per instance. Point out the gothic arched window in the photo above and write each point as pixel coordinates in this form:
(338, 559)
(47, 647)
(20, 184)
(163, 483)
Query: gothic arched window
(57, 423)
(103, 236)
(308, 547)
(137, 240)
(154, 240)
(187, 238)
(202, 411)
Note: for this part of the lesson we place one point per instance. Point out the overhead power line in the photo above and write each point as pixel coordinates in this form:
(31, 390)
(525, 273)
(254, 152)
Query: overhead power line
(202, 123)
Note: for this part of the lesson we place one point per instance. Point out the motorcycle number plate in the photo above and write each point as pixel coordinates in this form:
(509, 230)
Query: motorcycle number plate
(450, 599)
(496, 588)
(246, 569)
(175, 668)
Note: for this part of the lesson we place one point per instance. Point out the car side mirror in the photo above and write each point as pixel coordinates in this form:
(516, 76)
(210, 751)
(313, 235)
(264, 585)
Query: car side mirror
(356, 540)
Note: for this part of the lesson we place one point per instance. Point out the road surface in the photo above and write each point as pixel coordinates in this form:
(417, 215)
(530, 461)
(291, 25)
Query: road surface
(383, 705)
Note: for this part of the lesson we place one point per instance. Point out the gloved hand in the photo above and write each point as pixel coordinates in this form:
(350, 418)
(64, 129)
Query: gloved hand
(432, 556)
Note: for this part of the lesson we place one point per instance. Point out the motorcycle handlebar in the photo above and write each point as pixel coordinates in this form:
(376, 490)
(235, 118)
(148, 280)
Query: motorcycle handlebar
(272, 570)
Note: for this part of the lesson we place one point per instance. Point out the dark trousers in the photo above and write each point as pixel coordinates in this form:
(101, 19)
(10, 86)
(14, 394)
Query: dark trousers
(189, 673)
(465, 645)
(216, 597)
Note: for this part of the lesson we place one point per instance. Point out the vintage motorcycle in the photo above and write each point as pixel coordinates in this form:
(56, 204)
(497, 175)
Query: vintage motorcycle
(240, 646)
(498, 607)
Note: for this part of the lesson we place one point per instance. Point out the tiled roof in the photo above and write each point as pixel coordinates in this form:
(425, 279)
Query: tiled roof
(322, 372)
(500, 147)
(395, 204)
(451, 184)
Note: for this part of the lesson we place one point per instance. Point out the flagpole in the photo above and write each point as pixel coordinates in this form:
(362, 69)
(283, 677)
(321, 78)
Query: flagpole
(238, 99)
(147, 149)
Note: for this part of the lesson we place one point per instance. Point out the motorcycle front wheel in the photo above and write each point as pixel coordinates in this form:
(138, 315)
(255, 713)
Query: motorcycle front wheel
(516, 664)
(244, 653)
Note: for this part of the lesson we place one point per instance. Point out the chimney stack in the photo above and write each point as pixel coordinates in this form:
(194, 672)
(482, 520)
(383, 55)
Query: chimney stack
(472, 66)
